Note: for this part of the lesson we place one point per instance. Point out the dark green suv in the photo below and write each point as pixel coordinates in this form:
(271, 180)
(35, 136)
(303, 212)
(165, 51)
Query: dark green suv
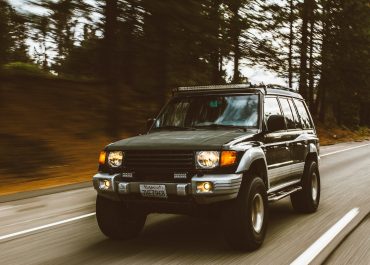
(222, 151)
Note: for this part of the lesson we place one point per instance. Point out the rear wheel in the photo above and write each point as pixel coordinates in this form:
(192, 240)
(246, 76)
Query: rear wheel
(116, 220)
(307, 200)
(245, 219)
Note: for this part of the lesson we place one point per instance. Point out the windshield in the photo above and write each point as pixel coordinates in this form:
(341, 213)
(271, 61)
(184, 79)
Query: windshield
(210, 111)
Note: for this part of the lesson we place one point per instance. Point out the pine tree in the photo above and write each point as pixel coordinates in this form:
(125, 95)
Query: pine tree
(41, 37)
(344, 84)
(5, 28)
(62, 18)
(236, 27)
(279, 21)
(13, 35)
(213, 27)
(306, 11)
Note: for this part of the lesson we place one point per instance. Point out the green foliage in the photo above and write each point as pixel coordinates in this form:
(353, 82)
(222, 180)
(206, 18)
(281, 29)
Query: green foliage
(23, 69)
(58, 27)
(346, 69)
(5, 40)
(13, 34)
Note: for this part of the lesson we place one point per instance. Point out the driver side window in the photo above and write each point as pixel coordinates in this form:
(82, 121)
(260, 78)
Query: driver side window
(272, 115)
(271, 108)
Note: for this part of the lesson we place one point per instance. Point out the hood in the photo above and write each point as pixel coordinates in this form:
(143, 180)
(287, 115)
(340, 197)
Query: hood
(180, 140)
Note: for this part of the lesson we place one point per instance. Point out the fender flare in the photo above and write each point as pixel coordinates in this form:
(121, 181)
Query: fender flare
(251, 155)
(312, 149)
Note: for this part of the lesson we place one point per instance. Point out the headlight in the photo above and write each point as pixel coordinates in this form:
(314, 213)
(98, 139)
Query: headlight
(115, 158)
(207, 159)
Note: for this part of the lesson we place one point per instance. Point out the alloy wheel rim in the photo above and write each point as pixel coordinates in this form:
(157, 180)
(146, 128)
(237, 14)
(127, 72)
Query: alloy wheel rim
(258, 213)
(314, 186)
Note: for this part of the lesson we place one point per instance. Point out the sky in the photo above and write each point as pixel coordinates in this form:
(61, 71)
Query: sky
(254, 74)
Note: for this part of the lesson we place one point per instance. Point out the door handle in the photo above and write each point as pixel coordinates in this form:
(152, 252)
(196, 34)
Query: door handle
(286, 146)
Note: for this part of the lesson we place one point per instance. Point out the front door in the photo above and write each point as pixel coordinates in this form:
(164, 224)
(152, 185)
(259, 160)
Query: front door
(294, 139)
(277, 148)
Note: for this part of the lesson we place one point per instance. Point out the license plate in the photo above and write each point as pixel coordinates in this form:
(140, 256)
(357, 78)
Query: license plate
(153, 191)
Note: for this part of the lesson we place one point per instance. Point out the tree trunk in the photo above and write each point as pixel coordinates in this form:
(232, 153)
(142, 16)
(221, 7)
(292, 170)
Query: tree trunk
(163, 61)
(215, 52)
(311, 80)
(291, 40)
(235, 38)
(109, 42)
(304, 39)
(236, 76)
(323, 104)
(129, 53)
(110, 69)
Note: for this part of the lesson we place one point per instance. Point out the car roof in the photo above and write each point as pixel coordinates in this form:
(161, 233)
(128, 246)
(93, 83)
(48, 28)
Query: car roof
(275, 90)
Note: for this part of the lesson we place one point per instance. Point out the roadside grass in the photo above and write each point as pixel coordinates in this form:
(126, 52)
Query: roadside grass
(51, 132)
(330, 135)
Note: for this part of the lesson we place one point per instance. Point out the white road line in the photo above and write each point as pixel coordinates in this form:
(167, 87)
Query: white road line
(343, 150)
(45, 226)
(7, 208)
(11, 207)
(311, 253)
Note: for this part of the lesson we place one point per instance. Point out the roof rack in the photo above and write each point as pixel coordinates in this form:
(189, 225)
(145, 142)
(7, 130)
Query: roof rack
(231, 86)
(274, 86)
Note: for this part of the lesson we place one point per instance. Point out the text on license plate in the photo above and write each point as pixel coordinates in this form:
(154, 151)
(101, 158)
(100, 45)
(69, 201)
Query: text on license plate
(154, 191)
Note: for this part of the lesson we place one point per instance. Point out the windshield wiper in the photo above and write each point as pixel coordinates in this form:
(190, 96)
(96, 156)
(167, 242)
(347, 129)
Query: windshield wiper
(215, 125)
(179, 128)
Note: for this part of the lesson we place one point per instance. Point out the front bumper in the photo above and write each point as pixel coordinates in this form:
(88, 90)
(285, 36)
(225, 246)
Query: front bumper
(225, 187)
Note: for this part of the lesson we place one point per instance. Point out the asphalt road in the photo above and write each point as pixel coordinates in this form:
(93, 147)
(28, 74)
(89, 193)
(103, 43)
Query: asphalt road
(355, 249)
(60, 228)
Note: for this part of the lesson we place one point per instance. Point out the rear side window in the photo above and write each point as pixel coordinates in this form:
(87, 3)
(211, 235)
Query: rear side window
(297, 122)
(305, 118)
(287, 113)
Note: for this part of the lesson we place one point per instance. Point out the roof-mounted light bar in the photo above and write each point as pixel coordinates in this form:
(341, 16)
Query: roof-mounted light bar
(260, 87)
(218, 87)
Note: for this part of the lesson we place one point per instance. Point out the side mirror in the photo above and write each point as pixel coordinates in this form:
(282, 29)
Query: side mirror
(276, 123)
(149, 123)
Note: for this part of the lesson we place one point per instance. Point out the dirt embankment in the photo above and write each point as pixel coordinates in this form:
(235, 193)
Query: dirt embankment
(333, 134)
(53, 130)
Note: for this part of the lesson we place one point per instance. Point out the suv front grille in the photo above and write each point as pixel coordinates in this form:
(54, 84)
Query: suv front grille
(159, 161)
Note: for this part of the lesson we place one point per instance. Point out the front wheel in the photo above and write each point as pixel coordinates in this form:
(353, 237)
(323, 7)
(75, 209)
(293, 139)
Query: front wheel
(307, 200)
(116, 220)
(245, 219)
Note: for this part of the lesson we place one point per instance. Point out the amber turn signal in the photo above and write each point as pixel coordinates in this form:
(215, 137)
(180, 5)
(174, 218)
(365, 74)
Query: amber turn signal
(228, 158)
(102, 157)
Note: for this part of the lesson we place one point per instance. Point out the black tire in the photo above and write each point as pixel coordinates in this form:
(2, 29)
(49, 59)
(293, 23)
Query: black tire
(117, 221)
(237, 216)
(307, 200)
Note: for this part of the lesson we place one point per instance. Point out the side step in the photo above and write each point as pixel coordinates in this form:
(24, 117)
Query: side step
(273, 197)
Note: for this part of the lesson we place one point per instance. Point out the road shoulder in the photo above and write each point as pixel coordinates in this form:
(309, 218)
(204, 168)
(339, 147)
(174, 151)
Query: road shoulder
(46, 191)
